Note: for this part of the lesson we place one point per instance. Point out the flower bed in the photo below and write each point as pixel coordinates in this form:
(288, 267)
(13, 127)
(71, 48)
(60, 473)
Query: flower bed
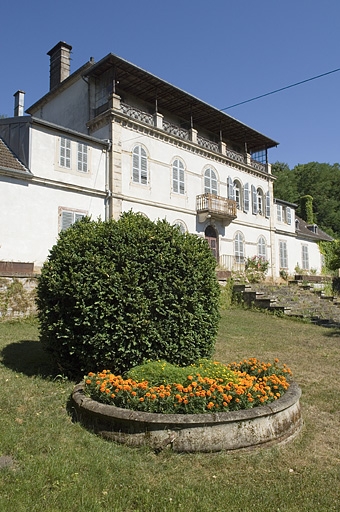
(232, 387)
(211, 414)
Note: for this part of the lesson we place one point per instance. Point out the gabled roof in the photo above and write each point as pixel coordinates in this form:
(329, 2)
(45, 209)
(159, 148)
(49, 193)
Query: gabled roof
(142, 84)
(305, 230)
(10, 164)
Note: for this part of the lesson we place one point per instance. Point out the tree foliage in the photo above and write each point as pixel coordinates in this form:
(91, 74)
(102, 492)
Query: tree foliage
(115, 294)
(321, 181)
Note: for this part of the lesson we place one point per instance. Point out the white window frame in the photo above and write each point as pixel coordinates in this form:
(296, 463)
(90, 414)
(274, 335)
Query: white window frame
(260, 201)
(82, 150)
(69, 217)
(178, 185)
(139, 165)
(262, 247)
(305, 257)
(65, 152)
(239, 247)
(210, 182)
(279, 215)
(283, 253)
(238, 196)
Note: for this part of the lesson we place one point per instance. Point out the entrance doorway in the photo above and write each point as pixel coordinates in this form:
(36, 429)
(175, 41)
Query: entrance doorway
(212, 237)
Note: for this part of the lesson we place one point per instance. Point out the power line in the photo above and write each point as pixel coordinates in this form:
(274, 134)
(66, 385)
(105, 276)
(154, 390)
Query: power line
(281, 89)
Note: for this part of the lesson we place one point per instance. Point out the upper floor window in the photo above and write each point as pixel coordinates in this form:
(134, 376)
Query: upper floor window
(238, 193)
(65, 152)
(139, 166)
(210, 182)
(279, 212)
(260, 204)
(284, 214)
(262, 248)
(82, 157)
(178, 177)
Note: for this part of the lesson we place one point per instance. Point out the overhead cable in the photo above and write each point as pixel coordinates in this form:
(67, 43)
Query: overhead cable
(281, 89)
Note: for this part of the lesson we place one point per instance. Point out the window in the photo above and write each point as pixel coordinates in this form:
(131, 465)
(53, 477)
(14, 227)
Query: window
(139, 166)
(239, 248)
(262, 248)
(238, 194)
(178, 177)
(305, 257)
(181, 225)
(82, 157)
(246, 198)
(69, 217)
(283, 254)
(210, 182)
(65, 152)
(260, 204)
(288, 215)
(279, 212)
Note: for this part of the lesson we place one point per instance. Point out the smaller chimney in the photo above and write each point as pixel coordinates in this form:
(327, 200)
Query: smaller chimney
(59, 63)
(19, 98)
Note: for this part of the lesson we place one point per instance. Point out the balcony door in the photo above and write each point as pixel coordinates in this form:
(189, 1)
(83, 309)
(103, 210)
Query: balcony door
(212, 238)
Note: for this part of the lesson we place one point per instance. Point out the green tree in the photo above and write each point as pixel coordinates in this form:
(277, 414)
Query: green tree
(115, 294)
(285, 184)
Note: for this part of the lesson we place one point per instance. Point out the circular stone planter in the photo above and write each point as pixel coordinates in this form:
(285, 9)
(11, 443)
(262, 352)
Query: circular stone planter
(277, 422)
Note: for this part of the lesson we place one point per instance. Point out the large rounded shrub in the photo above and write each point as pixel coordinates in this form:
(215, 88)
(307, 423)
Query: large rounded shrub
(114, 294)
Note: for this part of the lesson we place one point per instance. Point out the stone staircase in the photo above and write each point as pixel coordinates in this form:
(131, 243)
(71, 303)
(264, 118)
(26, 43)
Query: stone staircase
(295, 299)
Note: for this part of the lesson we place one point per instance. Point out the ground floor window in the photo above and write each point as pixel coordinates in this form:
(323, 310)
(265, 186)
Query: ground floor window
(283, 254)
(239, 248)
(305, 257)
(69, 217)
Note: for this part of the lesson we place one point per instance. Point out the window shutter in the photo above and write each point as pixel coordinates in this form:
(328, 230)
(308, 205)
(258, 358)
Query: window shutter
(246, 197)
(181, 178)
(66, 220)
(268, 204)
(144, 168)
(135, 165)
(288, 215)
(230, 188)
(254, 199)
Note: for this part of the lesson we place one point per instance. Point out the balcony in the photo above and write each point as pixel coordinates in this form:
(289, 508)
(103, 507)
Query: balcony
(211, 206)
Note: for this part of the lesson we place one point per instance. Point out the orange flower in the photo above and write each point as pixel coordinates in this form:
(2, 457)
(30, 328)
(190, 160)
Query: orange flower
(88, 381)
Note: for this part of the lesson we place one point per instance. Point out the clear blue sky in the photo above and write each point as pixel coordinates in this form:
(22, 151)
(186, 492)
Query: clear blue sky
(222, 51)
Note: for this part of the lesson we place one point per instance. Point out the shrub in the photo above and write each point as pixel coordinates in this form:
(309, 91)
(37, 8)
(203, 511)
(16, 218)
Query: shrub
(157, 373)
(118, 293)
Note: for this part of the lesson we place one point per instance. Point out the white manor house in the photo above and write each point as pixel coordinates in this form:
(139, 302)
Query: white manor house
(111, 137)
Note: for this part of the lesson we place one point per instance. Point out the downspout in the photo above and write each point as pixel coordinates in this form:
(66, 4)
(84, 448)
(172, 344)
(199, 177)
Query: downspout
(108, 197)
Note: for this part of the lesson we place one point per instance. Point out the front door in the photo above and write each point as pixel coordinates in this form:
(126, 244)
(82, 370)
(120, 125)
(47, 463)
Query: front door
(212, 238)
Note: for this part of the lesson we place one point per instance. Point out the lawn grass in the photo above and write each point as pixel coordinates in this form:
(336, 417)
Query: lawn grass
(59, 466)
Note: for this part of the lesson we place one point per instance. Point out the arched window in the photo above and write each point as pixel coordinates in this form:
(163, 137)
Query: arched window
(239, 247)
(210, 182)
(139, 166)
(260, 203)
(181, 225)
(178, 177)
(262, 248)
(238, 196)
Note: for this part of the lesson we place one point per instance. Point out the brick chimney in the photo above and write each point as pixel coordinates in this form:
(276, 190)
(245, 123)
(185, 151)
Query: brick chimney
(59, 63)
(19, 103)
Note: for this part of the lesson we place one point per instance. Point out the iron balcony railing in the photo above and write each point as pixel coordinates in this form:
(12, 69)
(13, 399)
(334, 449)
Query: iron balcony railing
(216, 206)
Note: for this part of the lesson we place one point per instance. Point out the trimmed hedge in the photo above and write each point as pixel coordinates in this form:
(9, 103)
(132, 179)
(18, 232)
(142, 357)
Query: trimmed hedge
(115, 294)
